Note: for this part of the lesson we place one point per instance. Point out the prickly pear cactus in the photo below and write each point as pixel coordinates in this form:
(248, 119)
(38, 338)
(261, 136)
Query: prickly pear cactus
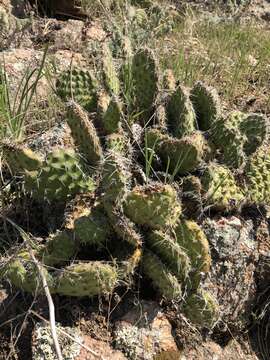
(60, 176)
(206, 104)
(202, 309)
(229, 140)
(20, 158)
(238, 136)
(155, 206)
(145, 79)
(180, 113)
(178, 155)
(135, 177)
(163, 280)
(79, 85)
(257, 174)
(110, 75)
(220, 189)
(255, 127)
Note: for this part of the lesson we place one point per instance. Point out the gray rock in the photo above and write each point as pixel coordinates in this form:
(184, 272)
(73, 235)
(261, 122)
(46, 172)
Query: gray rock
(43, 347)
(144, 333)
(234, 258)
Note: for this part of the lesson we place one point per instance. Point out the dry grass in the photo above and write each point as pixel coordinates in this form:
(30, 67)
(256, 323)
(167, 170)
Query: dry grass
(232, 57)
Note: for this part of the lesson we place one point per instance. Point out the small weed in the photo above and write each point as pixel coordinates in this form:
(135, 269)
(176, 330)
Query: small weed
(13, 111)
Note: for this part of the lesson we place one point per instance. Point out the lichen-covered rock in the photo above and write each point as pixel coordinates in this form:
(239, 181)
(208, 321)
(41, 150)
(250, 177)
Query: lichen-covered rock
(145, 337)
(231, 278)
(210, 350)
(43, 346)
(69, 36)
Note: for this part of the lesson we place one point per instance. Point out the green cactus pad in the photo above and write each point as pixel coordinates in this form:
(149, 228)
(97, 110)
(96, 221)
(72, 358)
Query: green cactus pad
(202, 309)
(162, 279)
(84, 133)
(127, 259)
(179, 156)
(60, 177)
(92, 229)
(114, 184)
(112, 117)
(20, 158)
(24, 275)
(115, 177)
(191, 196)
(155, 206)
(79, 85)
(86, 279)
(60, 247)
(118, 142)
(193, 241)
(206, 104)
(226, 136)
(110, 75)
(220, 189)
(170, 252)
(146, 83)
(180, 113)
(255, 128)
(257, 173)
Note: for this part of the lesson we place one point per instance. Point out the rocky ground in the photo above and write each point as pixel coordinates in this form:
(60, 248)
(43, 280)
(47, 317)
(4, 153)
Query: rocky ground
(132, 324)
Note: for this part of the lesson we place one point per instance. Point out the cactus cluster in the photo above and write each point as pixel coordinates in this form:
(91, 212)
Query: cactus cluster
(131, 213)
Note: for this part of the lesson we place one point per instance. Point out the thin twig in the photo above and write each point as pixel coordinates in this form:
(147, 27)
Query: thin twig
(45, 287)
(50, 302)
(70, 337)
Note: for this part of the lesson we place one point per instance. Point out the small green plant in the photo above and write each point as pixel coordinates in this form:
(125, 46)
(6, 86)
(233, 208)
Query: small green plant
(14, 108)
